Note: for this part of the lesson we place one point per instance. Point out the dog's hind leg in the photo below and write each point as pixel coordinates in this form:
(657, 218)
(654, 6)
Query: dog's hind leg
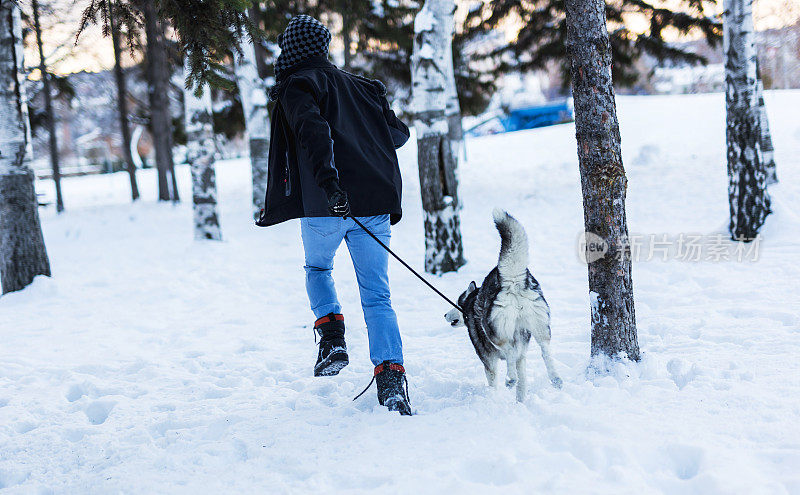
(490, 367)
(512, 377)
(544, 343)
(522, 382)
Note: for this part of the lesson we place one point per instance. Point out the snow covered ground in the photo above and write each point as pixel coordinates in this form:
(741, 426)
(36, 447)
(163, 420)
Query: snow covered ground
(151, 363)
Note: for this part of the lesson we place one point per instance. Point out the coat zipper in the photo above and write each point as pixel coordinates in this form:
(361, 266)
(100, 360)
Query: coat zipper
(288, 179)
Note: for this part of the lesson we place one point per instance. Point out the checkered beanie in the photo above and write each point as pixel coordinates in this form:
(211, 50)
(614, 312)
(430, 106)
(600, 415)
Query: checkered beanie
(303, 38)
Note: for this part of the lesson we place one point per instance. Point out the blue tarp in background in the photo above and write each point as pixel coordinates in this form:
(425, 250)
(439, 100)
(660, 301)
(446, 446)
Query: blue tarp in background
(529, 117)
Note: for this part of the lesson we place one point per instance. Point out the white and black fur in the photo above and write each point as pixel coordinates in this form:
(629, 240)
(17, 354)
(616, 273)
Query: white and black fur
(506, 310)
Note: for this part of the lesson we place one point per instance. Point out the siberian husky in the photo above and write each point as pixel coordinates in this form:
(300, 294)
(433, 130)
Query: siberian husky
(506, 310)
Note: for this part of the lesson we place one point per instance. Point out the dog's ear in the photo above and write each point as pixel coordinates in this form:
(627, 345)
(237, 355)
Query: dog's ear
(472, 287)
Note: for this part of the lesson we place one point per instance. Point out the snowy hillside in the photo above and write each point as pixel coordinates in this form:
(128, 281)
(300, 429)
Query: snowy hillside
(151, 363)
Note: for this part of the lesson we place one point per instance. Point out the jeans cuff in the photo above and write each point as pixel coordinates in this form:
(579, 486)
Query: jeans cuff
(327, 309)
(377, 361)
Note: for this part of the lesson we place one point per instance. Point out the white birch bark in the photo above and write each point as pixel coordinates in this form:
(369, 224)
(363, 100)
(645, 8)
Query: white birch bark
(767, 149)
(14, 113)
(433, 27)
(200, 149)
(749, 202)
(253, 91)
(22, 251)
(453, 108)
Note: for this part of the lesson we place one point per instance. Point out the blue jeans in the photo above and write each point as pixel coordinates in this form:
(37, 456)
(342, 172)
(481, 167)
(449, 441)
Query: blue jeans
(321, 238)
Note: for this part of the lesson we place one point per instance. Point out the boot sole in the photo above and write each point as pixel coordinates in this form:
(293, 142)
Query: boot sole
(332, 366)
(399, 405)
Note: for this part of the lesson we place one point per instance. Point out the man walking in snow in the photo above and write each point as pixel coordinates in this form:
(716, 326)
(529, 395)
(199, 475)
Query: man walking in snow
(332, 156)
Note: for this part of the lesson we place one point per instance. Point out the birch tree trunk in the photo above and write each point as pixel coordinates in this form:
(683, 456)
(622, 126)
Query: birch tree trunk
(747, 176)
(603, 180)
(122, 104)
(453, 108)
(765, 139)
(48, 108)
(22, 252)
(158, 75)
(253, 90)
(433, 27)
(200, 148)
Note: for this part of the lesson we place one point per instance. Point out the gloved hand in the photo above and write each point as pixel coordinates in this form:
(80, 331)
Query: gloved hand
(338, 205)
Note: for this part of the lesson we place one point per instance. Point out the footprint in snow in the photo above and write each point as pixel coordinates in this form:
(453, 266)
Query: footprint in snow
(685, 460)
(98, 411)
(78, 390)
(74, 435)
(25, 427)
(497, 472)
(676, 367)
(11, 478)
(216, 393)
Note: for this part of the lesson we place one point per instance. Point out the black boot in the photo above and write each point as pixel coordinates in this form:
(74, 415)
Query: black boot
(332, 349)
(390, 378)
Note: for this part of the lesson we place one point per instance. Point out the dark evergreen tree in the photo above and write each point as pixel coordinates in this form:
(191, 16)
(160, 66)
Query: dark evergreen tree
(256, 16)
(541, 39)
(206, 31)
(352, 13)
(63, 94)
(270, 18)
(384, 36)
(380, 32)
(474, 83)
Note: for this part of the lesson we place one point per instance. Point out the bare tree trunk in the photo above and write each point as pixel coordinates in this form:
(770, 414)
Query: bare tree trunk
(765, 139)
(437, 165)
(122, 105)
(347, 37)
(22, 252)
(255, 15)
(48, 108)
(253, 91)
(158, 75)
(603, 179)
(747, 187)
(173, 177)
(200, 154)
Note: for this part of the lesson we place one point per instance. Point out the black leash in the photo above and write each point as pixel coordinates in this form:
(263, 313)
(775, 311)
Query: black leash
(434, 289)
(405, 380)
(369, 385)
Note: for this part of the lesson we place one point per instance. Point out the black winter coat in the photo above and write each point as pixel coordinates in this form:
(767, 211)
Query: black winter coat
(330, 124)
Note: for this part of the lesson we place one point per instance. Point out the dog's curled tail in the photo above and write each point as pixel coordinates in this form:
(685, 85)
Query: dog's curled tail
(513, 262)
